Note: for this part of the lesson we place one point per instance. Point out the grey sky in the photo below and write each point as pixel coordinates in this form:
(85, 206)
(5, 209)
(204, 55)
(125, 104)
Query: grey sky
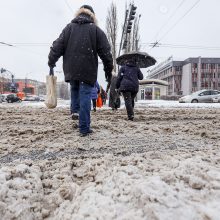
(41, 21)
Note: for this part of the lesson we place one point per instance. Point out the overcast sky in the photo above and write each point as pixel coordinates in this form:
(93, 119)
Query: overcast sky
(26, 23)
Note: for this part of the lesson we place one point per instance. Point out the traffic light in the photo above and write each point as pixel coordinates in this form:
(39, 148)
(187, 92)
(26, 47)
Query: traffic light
(3, 70)
(131, 18)
(132, 13)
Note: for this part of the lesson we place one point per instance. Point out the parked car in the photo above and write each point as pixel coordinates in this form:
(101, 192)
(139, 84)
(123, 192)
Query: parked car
(216, 99)
(3, 97)
(42, 98)
(200, 96)
(13, 98)
(32, 98)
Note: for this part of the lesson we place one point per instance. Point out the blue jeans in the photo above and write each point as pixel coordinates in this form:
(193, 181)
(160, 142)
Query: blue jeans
(81, 103)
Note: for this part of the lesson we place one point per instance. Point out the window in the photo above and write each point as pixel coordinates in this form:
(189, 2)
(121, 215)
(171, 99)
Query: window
(205, 93)
(212, 66)
(194, 84)
(215, 92)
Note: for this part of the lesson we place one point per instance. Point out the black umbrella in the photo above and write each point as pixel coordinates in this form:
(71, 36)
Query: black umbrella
(140, 59)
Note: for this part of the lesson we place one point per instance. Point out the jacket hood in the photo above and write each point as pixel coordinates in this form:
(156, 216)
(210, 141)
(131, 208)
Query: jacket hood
(84, 16)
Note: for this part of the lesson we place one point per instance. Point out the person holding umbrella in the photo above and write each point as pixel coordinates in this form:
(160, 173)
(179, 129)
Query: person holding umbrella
(129, 76)
(128, 85)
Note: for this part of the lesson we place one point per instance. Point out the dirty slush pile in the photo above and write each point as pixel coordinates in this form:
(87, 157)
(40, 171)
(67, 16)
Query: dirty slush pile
(164, 165)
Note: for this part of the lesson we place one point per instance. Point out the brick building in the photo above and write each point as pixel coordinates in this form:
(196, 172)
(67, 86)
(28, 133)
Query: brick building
(30, 86)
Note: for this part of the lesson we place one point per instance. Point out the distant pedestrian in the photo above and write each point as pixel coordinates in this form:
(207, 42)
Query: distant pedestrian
(80, 44)
(103, 95)
(114, 96)
(128, 85)
(94, 95)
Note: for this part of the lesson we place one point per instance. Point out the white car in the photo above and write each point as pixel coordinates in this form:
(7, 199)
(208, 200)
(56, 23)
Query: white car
(200, 96)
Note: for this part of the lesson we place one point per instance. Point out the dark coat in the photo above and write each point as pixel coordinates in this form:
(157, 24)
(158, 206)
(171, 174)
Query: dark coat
(80, 44)
(128, 77)
(95, 91)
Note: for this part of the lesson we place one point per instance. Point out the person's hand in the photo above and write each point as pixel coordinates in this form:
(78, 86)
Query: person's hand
(51, 73)
(108, 78)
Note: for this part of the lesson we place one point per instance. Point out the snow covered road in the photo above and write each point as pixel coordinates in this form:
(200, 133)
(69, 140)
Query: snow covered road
(164, 165)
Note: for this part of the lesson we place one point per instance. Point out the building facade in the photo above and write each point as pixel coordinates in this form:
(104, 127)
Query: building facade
(30, 86)
(190, 75)
(63, 90)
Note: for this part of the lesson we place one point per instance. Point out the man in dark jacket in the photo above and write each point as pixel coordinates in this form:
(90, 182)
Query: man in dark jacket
(128, 84)
(80, 44)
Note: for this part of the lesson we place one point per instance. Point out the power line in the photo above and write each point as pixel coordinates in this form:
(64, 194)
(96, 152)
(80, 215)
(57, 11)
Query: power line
(171, 16)
(182, 46)
(155, 44)
(20, 48)
(6, 44)
(184, 15)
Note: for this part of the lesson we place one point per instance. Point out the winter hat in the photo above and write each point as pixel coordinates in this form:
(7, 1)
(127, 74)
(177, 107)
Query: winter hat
(88, 7)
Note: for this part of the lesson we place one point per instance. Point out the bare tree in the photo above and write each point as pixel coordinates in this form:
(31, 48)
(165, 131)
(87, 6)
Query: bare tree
(111, 29)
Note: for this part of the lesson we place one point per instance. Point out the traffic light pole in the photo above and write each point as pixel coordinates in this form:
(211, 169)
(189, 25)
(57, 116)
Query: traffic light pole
(127, 27)
(129, 17)
(123, 31)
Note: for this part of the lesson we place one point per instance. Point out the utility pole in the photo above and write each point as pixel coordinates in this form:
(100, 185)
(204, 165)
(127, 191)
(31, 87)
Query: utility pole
(127, 27)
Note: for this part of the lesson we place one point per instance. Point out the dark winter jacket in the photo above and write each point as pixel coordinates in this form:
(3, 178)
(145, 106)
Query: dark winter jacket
(95, 91)
(80, 44)
(128, 77)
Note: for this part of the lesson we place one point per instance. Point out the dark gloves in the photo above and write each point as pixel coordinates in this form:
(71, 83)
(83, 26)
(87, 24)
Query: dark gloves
(51, 73)
(108, 77)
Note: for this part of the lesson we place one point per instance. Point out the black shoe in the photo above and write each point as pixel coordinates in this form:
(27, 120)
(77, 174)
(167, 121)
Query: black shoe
(75, 116)
(94, 109)
(86, 134)
(131, 118)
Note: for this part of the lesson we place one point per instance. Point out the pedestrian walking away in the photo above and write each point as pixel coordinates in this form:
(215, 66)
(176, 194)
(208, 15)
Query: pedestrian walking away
(103, 95)
(94, 95)
(114, 96)
(80, 44)
(128, 84)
